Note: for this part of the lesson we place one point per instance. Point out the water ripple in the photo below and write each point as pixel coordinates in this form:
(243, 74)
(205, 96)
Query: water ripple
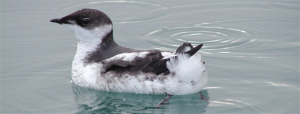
(292, 6)
(214, 38)
(224, 37)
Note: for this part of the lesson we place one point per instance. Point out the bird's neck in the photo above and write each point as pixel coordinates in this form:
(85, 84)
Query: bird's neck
(90, 41)
(88, 45)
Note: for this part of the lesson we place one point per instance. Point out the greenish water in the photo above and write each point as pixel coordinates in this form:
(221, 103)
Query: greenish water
(251, 50)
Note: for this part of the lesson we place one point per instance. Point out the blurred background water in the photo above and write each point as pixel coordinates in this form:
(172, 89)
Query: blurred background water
(251, 50)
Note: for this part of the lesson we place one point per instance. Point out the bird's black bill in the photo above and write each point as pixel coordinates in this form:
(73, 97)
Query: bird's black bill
(56, 21)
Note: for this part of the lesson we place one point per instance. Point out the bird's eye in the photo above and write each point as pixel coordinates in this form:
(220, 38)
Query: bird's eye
(85, 21)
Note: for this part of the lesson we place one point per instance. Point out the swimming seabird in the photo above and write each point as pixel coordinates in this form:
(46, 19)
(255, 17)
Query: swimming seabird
(100, 63)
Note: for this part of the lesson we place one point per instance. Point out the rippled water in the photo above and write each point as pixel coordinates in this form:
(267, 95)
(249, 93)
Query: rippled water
(251, 50)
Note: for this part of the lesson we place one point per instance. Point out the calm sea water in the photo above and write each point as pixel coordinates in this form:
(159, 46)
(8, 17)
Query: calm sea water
(251, 50)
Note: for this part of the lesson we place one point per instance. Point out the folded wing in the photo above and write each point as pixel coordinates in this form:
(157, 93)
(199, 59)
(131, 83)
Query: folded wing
(148, 62)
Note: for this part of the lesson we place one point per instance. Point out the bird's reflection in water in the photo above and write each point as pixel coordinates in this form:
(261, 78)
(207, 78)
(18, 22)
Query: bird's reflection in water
(96, 101)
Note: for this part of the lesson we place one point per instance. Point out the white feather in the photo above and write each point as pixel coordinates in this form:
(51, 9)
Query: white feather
(89, 37)
(128, 56)
(189, 74)
(167, 55)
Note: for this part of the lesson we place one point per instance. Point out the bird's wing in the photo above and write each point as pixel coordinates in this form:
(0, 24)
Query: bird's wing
(187, 48)
(151, 61)
(160, 66)
(147, 61)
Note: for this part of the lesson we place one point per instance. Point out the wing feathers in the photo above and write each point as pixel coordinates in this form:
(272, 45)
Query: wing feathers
(150, 61)
(194, 50)
(183, 48)
(187, 48)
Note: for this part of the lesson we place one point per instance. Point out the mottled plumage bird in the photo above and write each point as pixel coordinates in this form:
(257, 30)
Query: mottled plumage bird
(100, 63)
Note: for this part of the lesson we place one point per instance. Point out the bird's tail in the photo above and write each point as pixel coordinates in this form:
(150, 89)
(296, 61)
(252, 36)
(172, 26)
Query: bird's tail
(187, 48)
(188, 71)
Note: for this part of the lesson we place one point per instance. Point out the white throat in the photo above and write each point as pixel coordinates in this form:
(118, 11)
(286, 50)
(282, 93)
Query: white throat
(88, 42)
(92, 37)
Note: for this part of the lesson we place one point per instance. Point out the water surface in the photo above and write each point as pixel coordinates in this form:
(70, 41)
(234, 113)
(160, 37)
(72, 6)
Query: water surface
(251, 50)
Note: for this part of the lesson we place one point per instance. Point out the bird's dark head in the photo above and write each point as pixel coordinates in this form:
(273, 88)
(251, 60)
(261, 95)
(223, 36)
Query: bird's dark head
(88, 24)
(86, 18)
